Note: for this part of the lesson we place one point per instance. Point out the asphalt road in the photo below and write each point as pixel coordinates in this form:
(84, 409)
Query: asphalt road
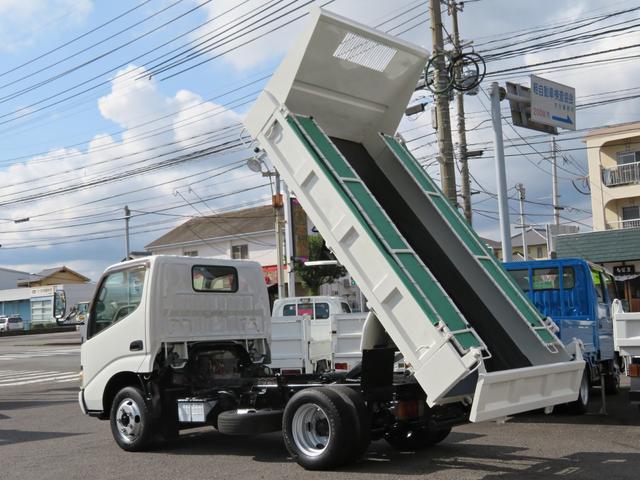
(43, 435)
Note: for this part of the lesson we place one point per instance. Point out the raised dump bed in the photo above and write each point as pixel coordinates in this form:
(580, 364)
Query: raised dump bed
(326, 120)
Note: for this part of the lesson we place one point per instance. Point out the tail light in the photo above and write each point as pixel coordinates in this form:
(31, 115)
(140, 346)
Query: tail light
(341, 366)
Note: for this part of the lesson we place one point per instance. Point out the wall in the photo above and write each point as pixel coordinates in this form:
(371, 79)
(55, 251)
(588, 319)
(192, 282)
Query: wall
(602, 153)
(261, 248)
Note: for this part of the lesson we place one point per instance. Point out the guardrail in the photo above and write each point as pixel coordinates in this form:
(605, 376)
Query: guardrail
(621, 175)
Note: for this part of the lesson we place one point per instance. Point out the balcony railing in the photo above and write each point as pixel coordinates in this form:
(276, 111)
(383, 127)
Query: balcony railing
(621, 175)
(635, 223)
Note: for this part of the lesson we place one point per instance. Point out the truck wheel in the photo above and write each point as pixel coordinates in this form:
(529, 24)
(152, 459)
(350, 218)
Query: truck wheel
(612, 383)
(361, 415)
(130, 420)
(418, 439)
(581, 405)
(249, 422)
(318, 429)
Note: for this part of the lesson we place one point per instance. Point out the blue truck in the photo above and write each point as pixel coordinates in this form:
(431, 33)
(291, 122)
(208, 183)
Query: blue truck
(576, 295)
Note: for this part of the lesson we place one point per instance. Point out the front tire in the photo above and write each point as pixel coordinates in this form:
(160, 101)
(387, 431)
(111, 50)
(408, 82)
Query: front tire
(319, 429)
(131, 420)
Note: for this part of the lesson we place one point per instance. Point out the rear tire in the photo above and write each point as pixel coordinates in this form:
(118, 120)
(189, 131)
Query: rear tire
(131, 420)
(362, 418)
(318, 428)
(581, 405)
(419, 439)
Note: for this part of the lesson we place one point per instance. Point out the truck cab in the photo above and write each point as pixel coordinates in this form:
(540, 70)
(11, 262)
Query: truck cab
(577, 295)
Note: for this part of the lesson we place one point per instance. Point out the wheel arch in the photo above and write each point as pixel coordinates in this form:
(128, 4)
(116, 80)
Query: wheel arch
(115, 384)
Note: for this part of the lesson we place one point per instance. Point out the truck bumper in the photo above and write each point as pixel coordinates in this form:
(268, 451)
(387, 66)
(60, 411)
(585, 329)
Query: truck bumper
(83, 407)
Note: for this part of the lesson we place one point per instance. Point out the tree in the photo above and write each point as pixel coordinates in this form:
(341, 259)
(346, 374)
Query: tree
(314, 277)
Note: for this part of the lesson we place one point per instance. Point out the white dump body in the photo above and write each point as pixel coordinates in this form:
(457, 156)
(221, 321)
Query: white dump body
(354, 82)
(626, 331)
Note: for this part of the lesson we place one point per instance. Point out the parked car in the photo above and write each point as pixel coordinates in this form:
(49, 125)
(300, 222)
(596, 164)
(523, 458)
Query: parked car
(11, 323)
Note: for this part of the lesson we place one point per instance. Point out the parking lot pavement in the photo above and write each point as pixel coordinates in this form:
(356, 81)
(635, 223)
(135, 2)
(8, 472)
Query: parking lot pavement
(43, 435)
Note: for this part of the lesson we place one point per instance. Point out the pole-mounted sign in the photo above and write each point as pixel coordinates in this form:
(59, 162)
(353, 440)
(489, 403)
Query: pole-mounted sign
(552, 103)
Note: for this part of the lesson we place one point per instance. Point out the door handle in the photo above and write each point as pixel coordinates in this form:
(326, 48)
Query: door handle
(135, 345)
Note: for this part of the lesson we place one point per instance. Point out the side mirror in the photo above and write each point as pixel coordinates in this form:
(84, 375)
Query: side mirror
(59, 306)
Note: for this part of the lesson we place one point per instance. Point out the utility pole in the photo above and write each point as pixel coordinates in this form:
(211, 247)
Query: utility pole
(462, 133)
(554, 185)
(277, 205)
(521, 190)
(501, 174)
(127, 216)
(443, 130)
(288, 240)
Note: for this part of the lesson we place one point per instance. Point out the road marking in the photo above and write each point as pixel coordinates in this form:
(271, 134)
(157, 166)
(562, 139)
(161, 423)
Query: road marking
(51, 352)
(15, 378)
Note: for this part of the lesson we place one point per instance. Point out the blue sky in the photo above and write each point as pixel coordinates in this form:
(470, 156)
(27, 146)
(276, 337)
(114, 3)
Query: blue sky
(56, 136)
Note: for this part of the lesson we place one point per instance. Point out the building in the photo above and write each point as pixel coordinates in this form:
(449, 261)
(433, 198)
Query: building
(247, 234)
(614, 175)
(51, 276)
(617, 250)
(9, 278)
(35, 304)
(536, 240)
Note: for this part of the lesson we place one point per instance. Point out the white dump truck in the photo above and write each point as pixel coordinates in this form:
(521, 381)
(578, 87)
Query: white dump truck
(626, 340)
(174, 342)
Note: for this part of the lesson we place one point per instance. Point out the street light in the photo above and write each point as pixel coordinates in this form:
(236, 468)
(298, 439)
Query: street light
(258, 165)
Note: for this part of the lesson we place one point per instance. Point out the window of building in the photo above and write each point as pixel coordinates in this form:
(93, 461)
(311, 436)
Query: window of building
(628, 157)
(631, 213)
(214, 278)
(538, 252)
(190, 253)
(240, 252)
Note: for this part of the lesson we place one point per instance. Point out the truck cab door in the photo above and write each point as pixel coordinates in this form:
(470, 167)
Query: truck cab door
(115, 332)
(603, 316)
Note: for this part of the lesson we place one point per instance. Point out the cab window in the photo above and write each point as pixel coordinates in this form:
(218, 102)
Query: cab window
(322, 311)
(289, 310)
(610, 286)
(214, 278)
(521, 277)
(597, 282)
(305, 309)
(119, 295)
(546, 278)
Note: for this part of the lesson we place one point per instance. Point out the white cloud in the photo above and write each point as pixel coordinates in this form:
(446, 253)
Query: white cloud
(22, 22)
(129, 103)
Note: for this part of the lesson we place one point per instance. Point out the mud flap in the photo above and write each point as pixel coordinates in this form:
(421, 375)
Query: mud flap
(508, 392)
